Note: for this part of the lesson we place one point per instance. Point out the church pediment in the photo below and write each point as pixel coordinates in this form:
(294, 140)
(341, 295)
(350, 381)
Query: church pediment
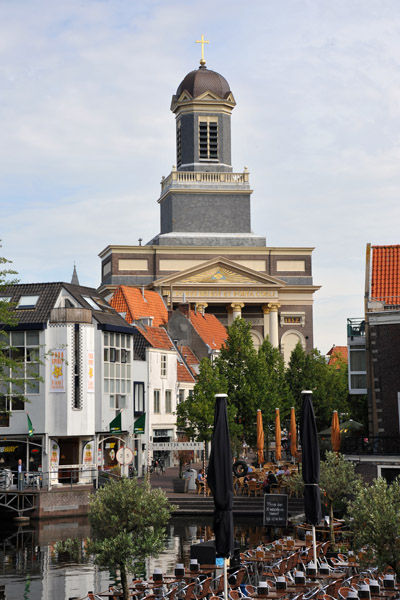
(220, 272)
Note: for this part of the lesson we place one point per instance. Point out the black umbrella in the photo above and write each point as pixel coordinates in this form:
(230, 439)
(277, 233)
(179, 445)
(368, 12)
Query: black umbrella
(220, 481)
(310, 464)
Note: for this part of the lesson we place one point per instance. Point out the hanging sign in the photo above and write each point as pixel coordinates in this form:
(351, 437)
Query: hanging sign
(90, 371)
(57, 366)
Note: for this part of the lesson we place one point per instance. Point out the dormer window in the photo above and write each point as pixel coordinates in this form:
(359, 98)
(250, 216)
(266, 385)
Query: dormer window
(27, 301)
(208, 138)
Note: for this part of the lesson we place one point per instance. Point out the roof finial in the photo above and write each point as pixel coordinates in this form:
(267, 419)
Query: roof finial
(202, 42)
(74, 279)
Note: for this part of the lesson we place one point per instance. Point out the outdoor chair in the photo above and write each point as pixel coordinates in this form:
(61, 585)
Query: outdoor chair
(204, 590)
(253, 487)
(344, 591)
(235, 579)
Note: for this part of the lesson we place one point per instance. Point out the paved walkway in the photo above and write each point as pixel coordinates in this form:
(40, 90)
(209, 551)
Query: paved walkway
(165, 481)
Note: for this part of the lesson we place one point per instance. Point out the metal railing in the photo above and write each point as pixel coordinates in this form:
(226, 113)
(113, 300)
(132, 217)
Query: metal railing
(387, 446)
(355, 327)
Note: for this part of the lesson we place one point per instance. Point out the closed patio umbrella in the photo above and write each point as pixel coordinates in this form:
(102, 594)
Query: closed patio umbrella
(310, 465)
(335, 432)
(260, 438)
(278, 447)
(293, 433)
(220, 481)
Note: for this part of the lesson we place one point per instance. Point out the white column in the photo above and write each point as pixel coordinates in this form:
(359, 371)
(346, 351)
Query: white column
(236, 310)
(273, 324)
(201, 307)
(266, 311)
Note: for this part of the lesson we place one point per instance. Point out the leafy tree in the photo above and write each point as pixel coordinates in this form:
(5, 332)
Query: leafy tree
(329, 384)
(237, 363)
(374, 514)
(128, 522)
(338, 480)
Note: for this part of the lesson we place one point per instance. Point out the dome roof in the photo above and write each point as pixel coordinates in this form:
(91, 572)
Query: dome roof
(199, 81)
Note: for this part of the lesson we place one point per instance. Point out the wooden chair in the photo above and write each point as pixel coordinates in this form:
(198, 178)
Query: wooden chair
(253, 488)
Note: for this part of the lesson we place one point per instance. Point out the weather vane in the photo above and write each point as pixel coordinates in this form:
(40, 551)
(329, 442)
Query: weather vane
(202, 42)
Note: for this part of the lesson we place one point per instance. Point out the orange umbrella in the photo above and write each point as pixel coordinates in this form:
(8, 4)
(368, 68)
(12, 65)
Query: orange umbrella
(278, 447)
(260, 438)
(293, 433)
(335, 432)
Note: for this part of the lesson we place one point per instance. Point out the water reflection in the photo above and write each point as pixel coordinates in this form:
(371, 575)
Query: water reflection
(32, 568)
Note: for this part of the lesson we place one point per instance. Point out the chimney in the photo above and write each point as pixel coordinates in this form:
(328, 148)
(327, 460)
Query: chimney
(185, 309)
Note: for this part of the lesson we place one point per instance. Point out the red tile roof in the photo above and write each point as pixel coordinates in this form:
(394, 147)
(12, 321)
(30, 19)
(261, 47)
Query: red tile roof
(211, 331)
(157, 337)
(385, 274)
(337, 353)
(191, 359)
(183, 373)
(130, 300)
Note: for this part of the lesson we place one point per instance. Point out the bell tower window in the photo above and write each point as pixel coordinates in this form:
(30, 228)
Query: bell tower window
(178, 144)
(208, 138)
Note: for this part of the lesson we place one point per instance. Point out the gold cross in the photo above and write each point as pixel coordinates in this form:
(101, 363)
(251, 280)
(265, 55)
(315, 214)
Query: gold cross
(202, 42)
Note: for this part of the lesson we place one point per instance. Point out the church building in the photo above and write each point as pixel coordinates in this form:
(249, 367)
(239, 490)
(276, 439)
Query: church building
(206, 254)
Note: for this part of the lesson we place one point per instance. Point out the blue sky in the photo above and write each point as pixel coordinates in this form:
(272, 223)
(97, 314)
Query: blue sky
(86, 131)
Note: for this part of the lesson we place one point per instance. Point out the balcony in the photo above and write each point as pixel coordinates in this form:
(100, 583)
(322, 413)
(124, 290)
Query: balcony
(355, 328)
(204, 180)
(71, 315)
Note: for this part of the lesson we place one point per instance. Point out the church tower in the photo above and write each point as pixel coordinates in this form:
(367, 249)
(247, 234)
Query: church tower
(203, 202)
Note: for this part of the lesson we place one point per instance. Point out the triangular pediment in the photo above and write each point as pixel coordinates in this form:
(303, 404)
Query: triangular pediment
(220, 271)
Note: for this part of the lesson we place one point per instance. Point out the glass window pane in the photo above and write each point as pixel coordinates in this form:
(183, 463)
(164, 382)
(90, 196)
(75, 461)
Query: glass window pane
(32, 354)
(118, 371)
(358, 382)
(112, 401)
(106, 370)
(112, 386)
(106, 354)
(122, 402)
(123, 386)
(128, 371)
(32, 369)
(117, 340)
(32, 338)
(17, 404)
(32, 386)
(111, 339)
(117, 386)
(357, 360)
(106, 386)
(18, 388)
(18, 353)
(17, 338)
(123, 371)
(106, 339)
(112, 370)
(122, 340)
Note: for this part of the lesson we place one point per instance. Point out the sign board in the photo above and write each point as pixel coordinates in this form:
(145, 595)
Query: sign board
(178, 445)
(275, 510)
(124, 456)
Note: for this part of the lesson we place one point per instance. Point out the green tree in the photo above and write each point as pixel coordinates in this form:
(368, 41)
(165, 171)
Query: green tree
(271, 389)
(374, 519)
(128, 522)
(329, 384)
(237, 363)
(338, 480)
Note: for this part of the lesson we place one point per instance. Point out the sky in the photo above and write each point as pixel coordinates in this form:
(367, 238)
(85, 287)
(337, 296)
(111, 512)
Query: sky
(86, 132)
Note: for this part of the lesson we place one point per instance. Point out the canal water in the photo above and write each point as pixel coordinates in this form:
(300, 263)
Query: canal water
(33, 568)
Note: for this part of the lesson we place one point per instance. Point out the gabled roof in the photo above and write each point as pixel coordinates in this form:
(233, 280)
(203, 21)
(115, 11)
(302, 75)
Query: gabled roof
(220, 271)
(209, 328)
(385, 274)
(190, 358)
(183, 373)
(48, 294)
(337, 353)
(138, 304)
(157, 337)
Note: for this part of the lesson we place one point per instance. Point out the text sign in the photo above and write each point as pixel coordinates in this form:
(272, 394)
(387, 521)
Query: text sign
(178, 445)
(275, 510)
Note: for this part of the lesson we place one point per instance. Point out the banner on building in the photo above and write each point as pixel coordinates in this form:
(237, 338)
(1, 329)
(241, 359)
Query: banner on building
(57, 365)
(139, 425)
(115, 425)
(54, 455)
(90, 371)
(88, 453)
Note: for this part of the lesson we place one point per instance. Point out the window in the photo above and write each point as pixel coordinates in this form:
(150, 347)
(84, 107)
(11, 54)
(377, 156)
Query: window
(91, 302)
(178, 144)
(27, 301)
(138, 395)
(117, 401)
(168, 401)
(117, 366)
(163, 365)
(181, 396)
(5, 298)
(156, 403)
(24, 349)
(208, 138)
(357, 370)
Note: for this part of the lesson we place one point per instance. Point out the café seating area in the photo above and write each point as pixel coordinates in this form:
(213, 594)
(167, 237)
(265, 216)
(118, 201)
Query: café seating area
(284, 569)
